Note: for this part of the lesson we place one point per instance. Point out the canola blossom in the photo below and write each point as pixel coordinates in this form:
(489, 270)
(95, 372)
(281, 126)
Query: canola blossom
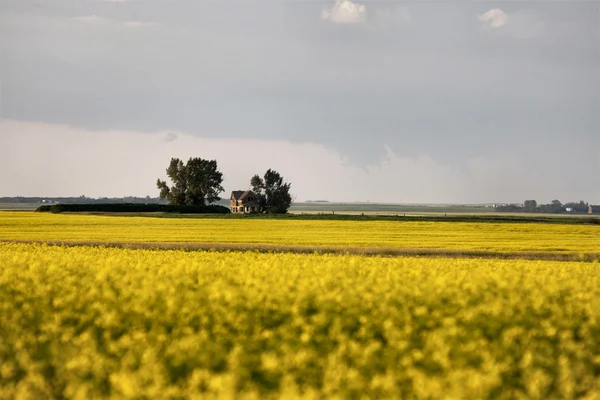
(495, 237)
(94, 322)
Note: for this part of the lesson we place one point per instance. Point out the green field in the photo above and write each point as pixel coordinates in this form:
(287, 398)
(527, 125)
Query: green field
(387, 208)
(19, 206)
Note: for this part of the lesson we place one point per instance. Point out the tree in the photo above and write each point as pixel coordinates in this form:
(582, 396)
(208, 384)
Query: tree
(196, 183)
(272, 192)
(530, 205)
(556, 206)
(581, 207)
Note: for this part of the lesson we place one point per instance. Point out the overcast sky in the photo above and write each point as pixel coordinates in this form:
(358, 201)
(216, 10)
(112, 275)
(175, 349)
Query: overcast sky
(392, 101)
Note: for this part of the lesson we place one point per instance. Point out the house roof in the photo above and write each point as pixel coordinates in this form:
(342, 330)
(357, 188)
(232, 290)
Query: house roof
(241, 194)
(236, 194)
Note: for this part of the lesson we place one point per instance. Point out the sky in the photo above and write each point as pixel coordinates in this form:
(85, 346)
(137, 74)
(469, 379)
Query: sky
(385, 101)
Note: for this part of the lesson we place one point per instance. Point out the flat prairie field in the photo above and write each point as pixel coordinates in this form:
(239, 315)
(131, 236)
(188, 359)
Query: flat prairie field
(492, 237)
(96, 322)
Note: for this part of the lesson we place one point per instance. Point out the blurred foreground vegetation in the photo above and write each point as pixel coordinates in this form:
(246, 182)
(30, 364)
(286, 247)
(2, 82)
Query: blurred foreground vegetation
(89, 322)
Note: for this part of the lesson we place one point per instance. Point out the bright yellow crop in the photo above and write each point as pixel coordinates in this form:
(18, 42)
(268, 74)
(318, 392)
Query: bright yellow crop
(89, 322)
(502, 237)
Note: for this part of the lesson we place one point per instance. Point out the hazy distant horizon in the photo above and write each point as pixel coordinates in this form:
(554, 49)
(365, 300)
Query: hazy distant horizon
(225, 200)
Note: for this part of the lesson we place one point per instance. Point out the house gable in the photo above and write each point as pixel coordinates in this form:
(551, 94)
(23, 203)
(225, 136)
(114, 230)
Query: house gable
(248, 195)
(236, 194)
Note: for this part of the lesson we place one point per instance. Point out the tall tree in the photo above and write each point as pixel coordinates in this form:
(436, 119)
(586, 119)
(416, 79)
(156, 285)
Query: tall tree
(273, 193)
(258, 187)
(530, 205)
(195, 183)
(555, 206)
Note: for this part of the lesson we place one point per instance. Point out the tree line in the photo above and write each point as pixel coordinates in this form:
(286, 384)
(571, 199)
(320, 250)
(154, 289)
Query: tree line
(199, 182)
(554, 207)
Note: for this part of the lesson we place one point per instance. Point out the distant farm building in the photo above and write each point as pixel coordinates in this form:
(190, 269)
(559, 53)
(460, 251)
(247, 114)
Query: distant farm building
(569, 209)
(243, 202)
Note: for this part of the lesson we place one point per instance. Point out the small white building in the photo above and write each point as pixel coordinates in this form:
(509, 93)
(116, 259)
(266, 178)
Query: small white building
(569, 209)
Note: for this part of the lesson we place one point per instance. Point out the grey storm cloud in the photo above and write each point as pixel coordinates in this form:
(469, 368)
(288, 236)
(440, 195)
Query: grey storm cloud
(467, 85)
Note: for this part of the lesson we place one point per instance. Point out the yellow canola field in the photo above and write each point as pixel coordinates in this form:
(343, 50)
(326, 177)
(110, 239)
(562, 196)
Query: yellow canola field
(500, 237)
(92, 322)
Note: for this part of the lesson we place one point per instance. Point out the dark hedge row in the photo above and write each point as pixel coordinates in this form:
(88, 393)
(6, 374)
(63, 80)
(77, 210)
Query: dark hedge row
(128, 207)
